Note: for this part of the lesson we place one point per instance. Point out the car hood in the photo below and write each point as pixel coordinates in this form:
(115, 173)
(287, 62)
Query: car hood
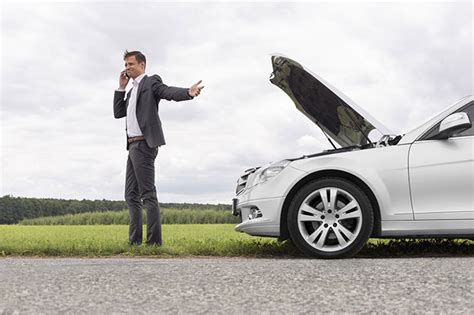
(339, 117)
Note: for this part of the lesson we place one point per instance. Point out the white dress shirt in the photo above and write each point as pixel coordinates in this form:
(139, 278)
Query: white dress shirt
(133, 129)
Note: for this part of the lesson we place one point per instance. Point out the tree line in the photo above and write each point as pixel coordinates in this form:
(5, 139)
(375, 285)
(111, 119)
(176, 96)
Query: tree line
(168, 216)
(15, 209)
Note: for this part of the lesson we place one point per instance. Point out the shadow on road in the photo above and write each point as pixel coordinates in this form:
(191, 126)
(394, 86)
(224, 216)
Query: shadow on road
(407, 248)
(379, 248)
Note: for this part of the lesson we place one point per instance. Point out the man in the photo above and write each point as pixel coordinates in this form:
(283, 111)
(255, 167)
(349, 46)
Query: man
(144, 136)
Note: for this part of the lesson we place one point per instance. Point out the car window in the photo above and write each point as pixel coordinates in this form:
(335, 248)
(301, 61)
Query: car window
(469, 110)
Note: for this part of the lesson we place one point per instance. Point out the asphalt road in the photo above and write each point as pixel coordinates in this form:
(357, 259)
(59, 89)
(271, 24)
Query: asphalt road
(236, 285)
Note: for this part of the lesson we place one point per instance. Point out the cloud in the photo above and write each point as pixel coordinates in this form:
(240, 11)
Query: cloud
(401, 62)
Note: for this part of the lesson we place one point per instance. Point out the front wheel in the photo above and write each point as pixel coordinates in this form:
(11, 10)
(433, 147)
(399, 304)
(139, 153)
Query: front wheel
(330, 218)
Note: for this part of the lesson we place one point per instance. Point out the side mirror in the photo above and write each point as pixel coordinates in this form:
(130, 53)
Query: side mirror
(453, 124)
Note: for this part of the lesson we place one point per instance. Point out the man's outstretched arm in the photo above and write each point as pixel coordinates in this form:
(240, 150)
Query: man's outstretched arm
(172, 93)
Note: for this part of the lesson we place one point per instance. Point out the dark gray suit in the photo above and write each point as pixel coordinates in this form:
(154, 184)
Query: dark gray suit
(140, 178)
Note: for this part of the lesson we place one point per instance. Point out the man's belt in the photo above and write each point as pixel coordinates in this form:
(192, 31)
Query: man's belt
(133, 139)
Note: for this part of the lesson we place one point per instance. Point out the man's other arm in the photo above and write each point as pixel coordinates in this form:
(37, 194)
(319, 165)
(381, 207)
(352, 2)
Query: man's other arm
(120, 110)
(120, 105)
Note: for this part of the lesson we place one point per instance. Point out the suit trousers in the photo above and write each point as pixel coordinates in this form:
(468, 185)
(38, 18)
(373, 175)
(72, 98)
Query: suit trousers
(140, 187)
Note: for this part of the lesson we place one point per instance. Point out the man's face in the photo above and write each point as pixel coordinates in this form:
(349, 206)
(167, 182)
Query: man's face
(134, 69)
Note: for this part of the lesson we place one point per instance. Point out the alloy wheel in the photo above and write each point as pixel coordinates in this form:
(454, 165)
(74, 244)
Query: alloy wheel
(329, 219)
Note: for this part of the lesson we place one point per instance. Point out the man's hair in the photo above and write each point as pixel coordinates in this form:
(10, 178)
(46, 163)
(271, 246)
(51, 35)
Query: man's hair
(138, 56)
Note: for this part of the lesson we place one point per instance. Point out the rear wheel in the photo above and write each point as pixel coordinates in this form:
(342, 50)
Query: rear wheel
(330, 218)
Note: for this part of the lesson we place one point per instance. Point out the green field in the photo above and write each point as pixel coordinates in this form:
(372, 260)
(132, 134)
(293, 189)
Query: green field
(106, 240)
(187, 240)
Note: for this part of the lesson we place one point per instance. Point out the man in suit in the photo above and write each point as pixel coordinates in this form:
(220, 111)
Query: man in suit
(144, 137)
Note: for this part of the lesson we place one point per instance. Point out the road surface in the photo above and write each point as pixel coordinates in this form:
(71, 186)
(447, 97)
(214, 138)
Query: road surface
(236, 285)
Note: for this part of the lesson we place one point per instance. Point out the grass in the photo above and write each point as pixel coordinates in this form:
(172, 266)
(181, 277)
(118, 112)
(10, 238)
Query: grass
(188, 240)
(108, 240)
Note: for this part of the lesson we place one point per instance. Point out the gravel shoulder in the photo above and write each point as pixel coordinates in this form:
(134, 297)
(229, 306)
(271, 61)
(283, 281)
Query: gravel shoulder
(235, 285)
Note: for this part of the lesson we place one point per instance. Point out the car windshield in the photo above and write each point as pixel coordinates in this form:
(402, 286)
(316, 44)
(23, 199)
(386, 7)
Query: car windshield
(439, 113)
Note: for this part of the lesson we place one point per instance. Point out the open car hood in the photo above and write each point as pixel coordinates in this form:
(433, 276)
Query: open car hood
(339, 117)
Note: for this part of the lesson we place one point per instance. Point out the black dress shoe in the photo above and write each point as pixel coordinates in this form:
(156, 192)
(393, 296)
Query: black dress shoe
(135, 243)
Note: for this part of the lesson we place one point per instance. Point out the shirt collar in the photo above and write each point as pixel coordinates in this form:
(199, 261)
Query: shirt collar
(138, 79)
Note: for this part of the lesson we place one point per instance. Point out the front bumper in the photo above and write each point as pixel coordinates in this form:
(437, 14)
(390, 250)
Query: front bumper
(259, 206)
(268, 224)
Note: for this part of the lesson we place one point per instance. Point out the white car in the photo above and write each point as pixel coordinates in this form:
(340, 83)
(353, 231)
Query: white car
(328, 204)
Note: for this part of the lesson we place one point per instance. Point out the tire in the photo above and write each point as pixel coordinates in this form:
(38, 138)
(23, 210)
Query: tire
(322, 228)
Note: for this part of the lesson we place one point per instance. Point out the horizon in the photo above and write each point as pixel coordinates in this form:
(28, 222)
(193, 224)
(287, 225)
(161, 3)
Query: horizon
(65, 199)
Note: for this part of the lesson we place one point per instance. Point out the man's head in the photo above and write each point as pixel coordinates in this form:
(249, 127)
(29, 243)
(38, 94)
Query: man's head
(135, 63)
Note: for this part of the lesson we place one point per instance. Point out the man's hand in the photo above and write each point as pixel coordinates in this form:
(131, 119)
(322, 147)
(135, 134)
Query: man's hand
(195, 89)
(123, 80)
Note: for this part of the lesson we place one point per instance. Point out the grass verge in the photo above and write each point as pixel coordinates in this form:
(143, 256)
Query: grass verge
(189, 240)
(109, 240)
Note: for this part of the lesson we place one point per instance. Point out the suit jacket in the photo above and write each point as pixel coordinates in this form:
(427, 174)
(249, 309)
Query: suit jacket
(150, 91)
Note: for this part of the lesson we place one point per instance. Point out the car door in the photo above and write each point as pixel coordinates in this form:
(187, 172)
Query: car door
(441, 175)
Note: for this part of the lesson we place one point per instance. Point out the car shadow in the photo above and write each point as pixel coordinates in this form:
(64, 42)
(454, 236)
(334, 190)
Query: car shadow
(382, 248)
(415, 248)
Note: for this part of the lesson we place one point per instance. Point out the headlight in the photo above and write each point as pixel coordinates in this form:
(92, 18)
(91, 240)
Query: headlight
(270, 171)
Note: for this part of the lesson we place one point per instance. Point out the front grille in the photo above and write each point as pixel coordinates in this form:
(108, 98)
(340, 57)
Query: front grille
(242, 181)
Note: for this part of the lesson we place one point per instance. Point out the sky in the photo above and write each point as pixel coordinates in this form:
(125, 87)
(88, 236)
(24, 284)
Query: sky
(60, 63)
